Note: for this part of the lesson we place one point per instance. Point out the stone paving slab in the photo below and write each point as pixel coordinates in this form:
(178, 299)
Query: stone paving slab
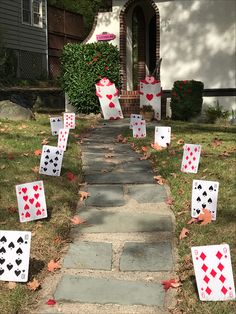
(120, 177)
(112, 291)
(89, 255)
(146, 257)
(105, 195)
(101, 221)
(147, 193)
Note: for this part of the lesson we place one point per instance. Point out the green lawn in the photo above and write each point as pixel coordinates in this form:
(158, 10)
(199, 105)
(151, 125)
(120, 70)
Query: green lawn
(18, 142)
(217, 163)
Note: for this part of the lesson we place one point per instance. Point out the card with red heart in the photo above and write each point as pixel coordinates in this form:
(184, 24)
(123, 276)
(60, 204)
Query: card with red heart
(191, 158)
(62, 138)
(134, 118)
(213, 271)
(69, 120)
(31, 201)
(139, 129)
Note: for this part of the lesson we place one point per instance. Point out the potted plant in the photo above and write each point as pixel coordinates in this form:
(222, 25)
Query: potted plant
(147, 112)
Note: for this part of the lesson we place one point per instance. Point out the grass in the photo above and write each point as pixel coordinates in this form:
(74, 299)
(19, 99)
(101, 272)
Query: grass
(215, 141)
(18, 141)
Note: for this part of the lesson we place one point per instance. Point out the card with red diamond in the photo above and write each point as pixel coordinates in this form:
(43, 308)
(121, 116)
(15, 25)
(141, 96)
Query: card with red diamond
(191, 158)
(213, 271)
(31, 201)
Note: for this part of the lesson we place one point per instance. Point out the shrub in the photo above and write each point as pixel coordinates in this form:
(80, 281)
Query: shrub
(82, 67)
(147, 108)
(186, 100)
(216, 112)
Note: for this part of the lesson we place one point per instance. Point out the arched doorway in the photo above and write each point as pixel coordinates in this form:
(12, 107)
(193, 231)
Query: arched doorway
(139, 41)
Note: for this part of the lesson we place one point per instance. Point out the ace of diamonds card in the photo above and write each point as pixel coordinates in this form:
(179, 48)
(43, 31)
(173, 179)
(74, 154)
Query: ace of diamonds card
(69, 120)
(213, 271)
(51, 160)
(139, 129)
(204, 195)
(31, 201)
(14, 255)
(191, 158)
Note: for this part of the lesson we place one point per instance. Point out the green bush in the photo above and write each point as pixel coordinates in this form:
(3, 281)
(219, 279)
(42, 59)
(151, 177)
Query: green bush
(216, 112)
(186, 100)
(82, 67)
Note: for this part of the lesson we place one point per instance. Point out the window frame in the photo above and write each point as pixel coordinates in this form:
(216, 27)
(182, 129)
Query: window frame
(32, 12)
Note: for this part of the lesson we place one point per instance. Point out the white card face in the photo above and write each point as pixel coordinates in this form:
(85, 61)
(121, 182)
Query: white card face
(204, 195)
(150, 94)
(62, 138)
(31, 201)
(69, 120)
(14, 255)
(56, 124)
(134, 118)
(51, 160)
(139, 129)
(162, 135)
(191, 158)
(213, 271)
(108, 97)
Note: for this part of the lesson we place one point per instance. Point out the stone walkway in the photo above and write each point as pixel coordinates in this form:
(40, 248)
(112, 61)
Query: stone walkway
(116, 262)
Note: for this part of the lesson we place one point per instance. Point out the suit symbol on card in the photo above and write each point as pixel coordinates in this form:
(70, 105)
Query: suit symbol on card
(9, 266)
(199, 187)
(19, 251)
(20, 240)
(3, 239)
(18, 261)
(2, 250)
(198, 199)
(2, 260)
(204, 193)
(209, 200)
(17, 272)
(203, 205)
(47, 157)
(11, 245)
(1, 271)
(48, 151)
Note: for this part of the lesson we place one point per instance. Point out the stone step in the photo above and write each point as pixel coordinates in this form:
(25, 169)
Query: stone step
(72, 288)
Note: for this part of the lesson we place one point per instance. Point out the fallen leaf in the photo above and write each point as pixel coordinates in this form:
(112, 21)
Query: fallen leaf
(119, 138)
(172, 152)
(180, 141)
(145, 156)
(51, 302)
(169, 201)
(159, 180)
(57, 240)
(83, 195)
(33, 285)
(38, 152)
(224, 154)
(133, 146)
(144, 148)
(76, 220)
(10, 157)
(70, 176)
(111, 149)
(171, 283)
(183, 234)
(25, 154)
(125, 140)
(53, 265)
(11, 285)
(204, 170)
(35, 169)
(205, 217)
(192, 221)
(216, 142)
(3, 167)
(181, 191)
(173, 174)
(12, 210)
(23, 126)
(109, 155)
(156, 147)
(42, 132)
(45, 141)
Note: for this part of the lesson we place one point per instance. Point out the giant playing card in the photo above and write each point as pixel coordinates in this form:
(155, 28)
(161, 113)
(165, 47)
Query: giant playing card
(31, 201)
(162, 135)
(14, 255)
(150, 94)
(62, 138)
(191, 157)
(204, 195)
(69, 120)
(56, 124)
(51, 160)
(213, 271)
(134, 118)
(139, 129)
(108, 97)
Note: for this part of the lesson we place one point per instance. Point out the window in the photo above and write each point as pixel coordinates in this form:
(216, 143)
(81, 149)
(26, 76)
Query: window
(32, 12)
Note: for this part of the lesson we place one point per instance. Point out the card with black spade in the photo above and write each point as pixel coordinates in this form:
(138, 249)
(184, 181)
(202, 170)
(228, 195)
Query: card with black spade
(162, 135)
(51, 160)
(14, 255)
(56, 124)
(204, 195)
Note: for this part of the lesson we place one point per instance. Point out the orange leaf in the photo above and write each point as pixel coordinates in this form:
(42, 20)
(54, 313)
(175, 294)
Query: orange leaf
(173, 174)
(45, 141)
(205, 217)
(145, 156)
(156, 147)
(125, 140)
(10, 156)
(119, 138)
(159, 180)
(33, 285)
(76, 220)
(180, 141)
(35, 169)
(51, 302)
(12, 209)
(224, 154)
(83, 195)
(53, 265)
(144, 148)
(192, 221)
(11, 285)
(216, 142)
(70, 176)
(183, 234)
(171, 283)
(38, 152)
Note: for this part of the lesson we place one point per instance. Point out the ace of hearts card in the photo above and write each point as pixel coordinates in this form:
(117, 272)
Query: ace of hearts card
(162, 135)
(191, 158)
(56, 124)
(213, 271)
(204, 195)
(31, 201)
(134, 118)
(62, 138)
(69, 120)
(14, 255)
(139, 129)
(51, 160)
